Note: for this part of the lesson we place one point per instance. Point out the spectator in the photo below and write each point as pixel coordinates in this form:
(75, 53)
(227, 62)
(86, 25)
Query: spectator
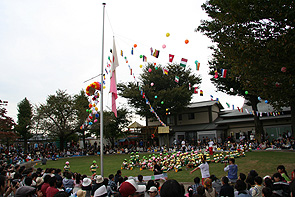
(117, 175)
(86, 186)
(257, 190)
(226, 189)
(45, 185)
(281, 169)
(171, 188)
(216, 183)
(196, 185)
(279, 186)
(241, 189)
(68, 182)
(153, 192)
(130, 187)
(51, 190)
(209, 191)
(232, 170)
(98, 183)
(2, 185)
(200, 191)
(140, 180)
(267, 192)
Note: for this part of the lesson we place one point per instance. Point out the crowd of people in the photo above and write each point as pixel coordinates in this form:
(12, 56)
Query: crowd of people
(16, 180)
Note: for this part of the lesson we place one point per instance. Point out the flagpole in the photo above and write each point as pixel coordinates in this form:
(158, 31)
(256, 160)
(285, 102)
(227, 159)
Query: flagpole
(101, 96)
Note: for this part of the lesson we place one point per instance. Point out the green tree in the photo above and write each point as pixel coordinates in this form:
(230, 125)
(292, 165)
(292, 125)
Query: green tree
(7, 124)
(113, 127)
(162, 91)
(257, 40)
(58, 116)
(231, 85)
(24, 121)
(81, 104)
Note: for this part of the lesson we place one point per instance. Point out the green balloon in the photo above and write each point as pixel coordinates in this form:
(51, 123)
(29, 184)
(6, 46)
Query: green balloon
(156, 97)
(246, 92)
(156, 67)
(140, 56)
(162, 102)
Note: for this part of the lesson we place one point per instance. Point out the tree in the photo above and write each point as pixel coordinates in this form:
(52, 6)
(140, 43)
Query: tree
(81, 104)
(6, 128)
(58, 116)
(257, 39)
(24, 121)
(113, 126)
(162, 91)
(231, 85)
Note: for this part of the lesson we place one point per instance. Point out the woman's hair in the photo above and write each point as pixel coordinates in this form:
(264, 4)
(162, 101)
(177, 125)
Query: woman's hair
(200, 190)
(171, 188)
(242, 176)
(278, 175)
(268, 183)
(149, 184)
(190, 191)
(281, 167)
(267, 192)
(208, 183)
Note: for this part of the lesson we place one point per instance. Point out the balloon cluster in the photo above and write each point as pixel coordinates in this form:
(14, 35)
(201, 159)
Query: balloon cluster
(92, 91)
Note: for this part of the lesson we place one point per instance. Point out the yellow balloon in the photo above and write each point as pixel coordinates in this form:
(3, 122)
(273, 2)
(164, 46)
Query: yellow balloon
(93, 105)
(167, 34)
(140, 66)
(96, 108)
(104, 87)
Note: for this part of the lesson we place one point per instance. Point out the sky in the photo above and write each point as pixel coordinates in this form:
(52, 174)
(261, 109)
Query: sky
(57, 44)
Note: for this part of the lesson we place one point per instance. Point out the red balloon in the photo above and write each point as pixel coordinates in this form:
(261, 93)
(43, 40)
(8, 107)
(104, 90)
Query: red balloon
(135, 45)
(186, 41)
(283, 69)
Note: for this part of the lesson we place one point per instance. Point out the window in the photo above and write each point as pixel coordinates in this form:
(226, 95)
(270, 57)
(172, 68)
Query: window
(191, 116)
(180, 117)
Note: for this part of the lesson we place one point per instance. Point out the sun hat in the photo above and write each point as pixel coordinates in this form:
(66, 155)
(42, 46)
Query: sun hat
(94, 161)
(81, 193)
(99, 179)
(129, 187)
(39, 181)
(101, 191)
(86, 182)
(67, 162)
(153, 189)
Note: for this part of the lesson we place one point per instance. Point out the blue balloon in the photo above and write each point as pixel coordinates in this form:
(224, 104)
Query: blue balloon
(96, 115)
(259, 98)
(266, 101)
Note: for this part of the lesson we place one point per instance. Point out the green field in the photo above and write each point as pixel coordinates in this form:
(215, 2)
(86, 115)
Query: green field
(264, 162)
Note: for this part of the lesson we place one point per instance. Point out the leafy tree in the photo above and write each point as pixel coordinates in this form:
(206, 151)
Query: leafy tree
(81, 104)
(58, 116)
(113, 126)
(162, 91)
(24, 121)
(231, 85)
(257, 40)
(7, 124)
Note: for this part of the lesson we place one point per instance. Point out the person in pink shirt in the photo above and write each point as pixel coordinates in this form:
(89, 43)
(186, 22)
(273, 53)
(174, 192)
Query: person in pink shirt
(51, 190)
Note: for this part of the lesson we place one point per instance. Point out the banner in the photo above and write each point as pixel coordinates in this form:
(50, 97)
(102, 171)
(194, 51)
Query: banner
(163, 129)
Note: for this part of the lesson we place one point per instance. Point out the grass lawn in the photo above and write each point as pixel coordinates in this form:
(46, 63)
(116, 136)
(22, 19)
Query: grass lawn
(264, 162)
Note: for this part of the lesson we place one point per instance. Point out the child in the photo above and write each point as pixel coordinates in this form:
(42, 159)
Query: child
(232, 169)
(281, 169)
(257, 190)
(93, 168)
(67, 167)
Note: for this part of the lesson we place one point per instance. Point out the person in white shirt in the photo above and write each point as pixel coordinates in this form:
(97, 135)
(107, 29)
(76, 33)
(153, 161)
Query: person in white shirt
(204, 167)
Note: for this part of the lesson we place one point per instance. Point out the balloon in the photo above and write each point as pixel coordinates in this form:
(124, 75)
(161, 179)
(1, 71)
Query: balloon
(95, 120)
(156, 67)
(266, 101)
(167, 34)
(155, 64)
(125, 57)
(140, 66)
(231, 89)
(283, 69)
(259, 98)
(167, 109)
(162, 102)
(135, 45)
(164, 46)
(196, 62)
(90, 105)
(186, 41)
(140, 56)
(156, 97)
(96, 115)
(104, 87)
(96, 108)
(150, 70)
(246, 92)
(152, 84)
(215, 76)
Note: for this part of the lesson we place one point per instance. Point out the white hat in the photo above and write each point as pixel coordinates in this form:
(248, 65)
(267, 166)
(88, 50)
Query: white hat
(102, 190)
(153, 189)
(86, 182)
(99, 179)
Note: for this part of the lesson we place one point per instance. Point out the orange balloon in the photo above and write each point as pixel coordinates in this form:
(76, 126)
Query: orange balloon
(135, 45)
(186, 41)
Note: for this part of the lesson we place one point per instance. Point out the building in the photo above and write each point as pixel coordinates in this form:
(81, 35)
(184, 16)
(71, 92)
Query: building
(208, 119)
